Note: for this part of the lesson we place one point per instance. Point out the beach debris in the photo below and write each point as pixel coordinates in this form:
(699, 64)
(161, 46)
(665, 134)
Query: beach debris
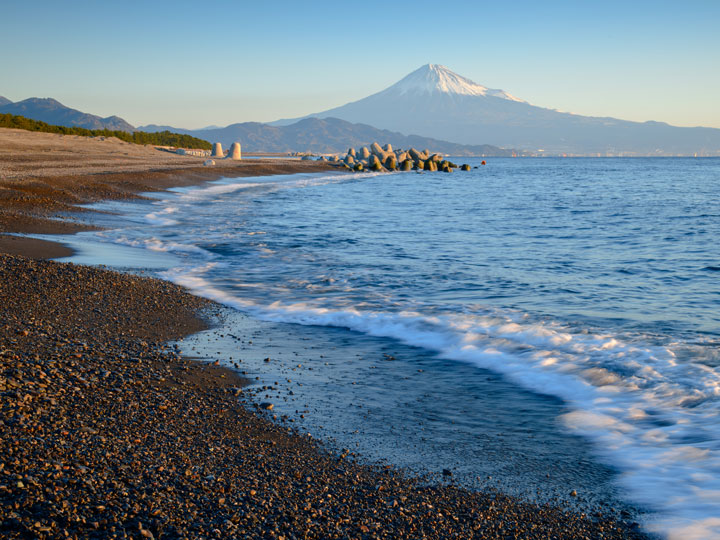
(217, 150)
(235, 151)
(266, 405)
(209, 162)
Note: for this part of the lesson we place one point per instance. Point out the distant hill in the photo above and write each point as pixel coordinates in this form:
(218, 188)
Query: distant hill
(435, 102)
(160, 138)
(53, 112)
(153, 128)
(326, 135)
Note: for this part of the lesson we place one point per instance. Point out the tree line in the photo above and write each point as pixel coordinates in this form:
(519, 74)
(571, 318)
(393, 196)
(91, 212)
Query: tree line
(161, 138)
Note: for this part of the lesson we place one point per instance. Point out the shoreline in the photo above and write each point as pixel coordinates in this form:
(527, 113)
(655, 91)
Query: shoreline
(99, 413)
(44, 176)
(108, 431)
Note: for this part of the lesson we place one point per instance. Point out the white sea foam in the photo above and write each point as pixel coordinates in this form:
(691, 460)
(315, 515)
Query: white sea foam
(276, 182)
(212, 191)
(651, 416)
(161, 217)
(155, 244)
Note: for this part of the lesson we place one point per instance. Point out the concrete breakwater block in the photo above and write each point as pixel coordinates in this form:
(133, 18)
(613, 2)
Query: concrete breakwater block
(235, 151)
(386, 159)
(217, 150)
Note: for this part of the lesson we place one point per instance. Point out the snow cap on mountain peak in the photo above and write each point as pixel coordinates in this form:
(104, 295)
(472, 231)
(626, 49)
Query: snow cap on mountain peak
(434, 78)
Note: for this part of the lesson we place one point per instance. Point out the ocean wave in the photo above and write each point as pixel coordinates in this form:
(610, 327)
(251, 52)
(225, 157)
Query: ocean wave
(229, 185)
(644, 388)
(155, 244)
(652, 417)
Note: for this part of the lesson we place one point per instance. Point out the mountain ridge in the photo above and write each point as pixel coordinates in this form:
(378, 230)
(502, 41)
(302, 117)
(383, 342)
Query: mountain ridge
(51, 111)
(329, 135)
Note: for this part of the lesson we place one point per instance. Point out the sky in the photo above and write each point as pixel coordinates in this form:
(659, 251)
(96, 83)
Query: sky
(194, 64)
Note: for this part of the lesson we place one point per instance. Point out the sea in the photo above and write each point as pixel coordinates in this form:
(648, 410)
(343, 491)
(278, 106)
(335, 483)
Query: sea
(545, 328)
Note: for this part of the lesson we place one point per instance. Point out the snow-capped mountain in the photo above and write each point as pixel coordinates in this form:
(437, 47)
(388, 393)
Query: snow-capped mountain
(434, 78)
(433, 101)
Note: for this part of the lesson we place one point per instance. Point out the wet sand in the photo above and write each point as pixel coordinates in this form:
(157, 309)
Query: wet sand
(105, 431)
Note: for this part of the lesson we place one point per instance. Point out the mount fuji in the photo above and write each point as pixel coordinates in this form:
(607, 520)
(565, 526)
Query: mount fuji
(433, 101)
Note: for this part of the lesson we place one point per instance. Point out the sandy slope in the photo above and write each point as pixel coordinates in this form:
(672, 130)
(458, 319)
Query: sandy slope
(26, 154)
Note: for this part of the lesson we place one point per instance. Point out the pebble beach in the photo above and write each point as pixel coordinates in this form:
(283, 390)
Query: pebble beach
(108, 432)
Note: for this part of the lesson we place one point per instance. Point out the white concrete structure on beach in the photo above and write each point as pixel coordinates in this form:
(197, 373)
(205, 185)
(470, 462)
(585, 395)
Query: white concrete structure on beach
(235, 151)
(217, 150)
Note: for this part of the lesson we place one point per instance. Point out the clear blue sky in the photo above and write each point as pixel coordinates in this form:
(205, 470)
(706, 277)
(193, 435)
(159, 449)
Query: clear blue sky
(191, 64)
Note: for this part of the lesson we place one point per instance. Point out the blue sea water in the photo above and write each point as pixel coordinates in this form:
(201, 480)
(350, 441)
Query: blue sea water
(516, 320)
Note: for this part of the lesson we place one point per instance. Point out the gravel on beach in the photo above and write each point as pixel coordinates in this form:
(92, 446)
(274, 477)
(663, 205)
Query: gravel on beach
(106, 432)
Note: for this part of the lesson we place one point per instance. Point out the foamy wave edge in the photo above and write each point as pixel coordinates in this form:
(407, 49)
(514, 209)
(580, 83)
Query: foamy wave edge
(651, 417)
